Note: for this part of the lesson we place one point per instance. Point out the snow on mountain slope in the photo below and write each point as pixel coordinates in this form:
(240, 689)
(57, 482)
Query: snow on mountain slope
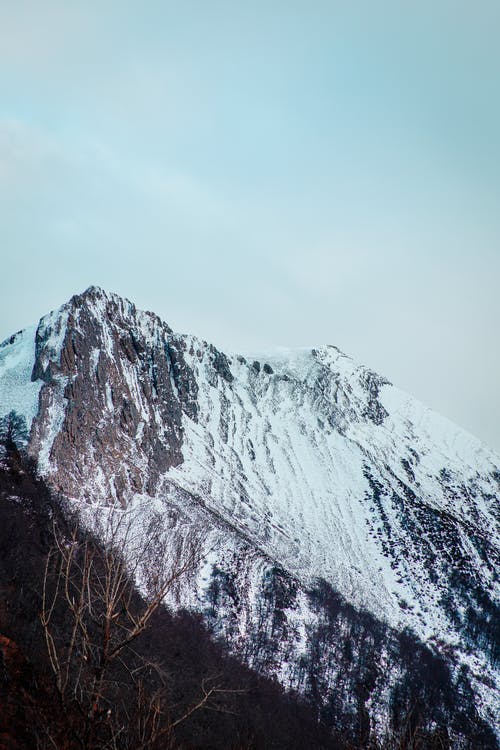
(300, 459)
(18, 393)
(285, 455)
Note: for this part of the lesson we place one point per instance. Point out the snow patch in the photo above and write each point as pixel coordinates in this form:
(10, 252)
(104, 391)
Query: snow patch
(18, 393)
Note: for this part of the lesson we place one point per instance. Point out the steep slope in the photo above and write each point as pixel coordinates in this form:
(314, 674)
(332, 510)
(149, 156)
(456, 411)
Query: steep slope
(303, 478)
(250, 710)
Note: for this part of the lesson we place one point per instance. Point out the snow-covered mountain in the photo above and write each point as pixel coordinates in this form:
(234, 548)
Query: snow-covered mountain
(348, 536)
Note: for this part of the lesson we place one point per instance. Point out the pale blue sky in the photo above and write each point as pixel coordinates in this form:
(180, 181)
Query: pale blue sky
(265, 173)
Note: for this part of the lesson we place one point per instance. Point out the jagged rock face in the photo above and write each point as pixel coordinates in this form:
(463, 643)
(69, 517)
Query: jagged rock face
(116, 386)
(294, 473)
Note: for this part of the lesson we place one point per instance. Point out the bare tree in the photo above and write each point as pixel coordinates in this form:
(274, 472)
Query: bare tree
(92, 618)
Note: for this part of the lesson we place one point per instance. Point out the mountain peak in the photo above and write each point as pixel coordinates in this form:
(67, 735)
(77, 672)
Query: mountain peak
(98, 297)
(94, 291)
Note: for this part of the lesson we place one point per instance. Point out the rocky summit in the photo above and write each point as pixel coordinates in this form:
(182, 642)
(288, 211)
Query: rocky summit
(346, 537)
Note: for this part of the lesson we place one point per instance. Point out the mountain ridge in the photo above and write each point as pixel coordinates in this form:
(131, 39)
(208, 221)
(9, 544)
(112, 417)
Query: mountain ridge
(304, 461)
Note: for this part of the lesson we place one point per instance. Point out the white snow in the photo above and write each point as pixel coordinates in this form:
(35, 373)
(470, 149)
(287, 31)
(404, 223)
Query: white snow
(304, 498)
(18, 392)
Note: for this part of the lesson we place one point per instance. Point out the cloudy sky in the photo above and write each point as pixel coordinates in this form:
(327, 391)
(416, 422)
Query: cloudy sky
(265, 173)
